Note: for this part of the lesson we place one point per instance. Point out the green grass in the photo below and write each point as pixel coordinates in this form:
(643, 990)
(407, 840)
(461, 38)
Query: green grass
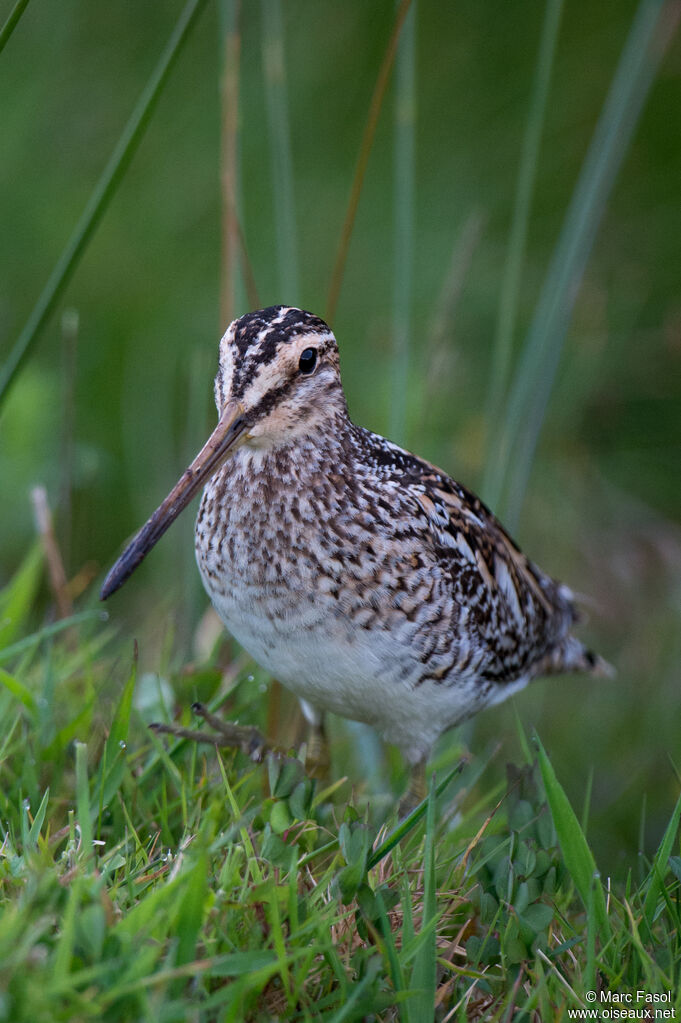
(145, 880)
(11, 22)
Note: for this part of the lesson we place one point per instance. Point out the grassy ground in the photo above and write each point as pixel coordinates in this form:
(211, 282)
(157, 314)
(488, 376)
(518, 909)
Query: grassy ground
(115, 396)
(163, 880)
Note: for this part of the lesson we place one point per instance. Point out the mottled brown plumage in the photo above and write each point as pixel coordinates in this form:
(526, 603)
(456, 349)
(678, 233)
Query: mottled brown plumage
(364, 578)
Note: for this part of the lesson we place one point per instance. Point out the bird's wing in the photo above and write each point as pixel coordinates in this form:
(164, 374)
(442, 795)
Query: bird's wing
(518, 612)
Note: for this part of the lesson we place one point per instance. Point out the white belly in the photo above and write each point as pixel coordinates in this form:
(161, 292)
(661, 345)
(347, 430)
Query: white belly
(364, 675)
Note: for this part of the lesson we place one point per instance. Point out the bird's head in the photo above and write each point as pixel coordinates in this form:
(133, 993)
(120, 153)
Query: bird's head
(278, 379)
(279, 375)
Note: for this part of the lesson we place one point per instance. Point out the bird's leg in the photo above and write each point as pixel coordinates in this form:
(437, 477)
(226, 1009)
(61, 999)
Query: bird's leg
(317, 752)
(246, 738)
(416, 790)
(317, 748)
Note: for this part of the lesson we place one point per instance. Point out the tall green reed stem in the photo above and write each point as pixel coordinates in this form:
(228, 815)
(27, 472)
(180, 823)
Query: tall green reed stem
(101, 196)
(230, 40)
(12, 22)
(405, 130)
(274, 70)
(510, 286)
(363, 159)
(653, 26)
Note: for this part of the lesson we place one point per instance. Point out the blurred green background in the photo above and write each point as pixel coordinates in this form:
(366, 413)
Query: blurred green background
(109, 422)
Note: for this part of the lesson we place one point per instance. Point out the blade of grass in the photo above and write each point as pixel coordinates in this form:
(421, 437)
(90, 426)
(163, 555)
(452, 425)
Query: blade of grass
(395, 968)
(238, 285)
(348, 1010)
(77, 725)
(405, 896)
(273, 914)
(67, 936)
(658, 870)
(10, 728)
(23, 645)
(189, 917)
(587, 799)
(12, 22)
(510, 285)
(363, 159)
(19, 691)
(522, 738)
(120, 725)
(18, 596)
(101, 196)
(591, 931)
(651, 31)
(113, 762)
(292, 894)
(403, 204)
(230, 30)
(438, 349)
(83, 800)
(44, 524)
(34, 833)
(69, 328)
(424, 973)
(409, 822)
(576, 852)
(642, 839)
(274, 71)
(652, 971)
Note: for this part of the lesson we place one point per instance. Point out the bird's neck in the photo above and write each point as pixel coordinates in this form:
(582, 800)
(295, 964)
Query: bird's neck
(309, 455)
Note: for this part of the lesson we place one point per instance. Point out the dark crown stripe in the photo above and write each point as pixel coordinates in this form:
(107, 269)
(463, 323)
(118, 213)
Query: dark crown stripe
(258, 336)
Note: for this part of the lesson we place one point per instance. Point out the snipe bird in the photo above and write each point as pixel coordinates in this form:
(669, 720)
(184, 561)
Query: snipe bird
(364, 578)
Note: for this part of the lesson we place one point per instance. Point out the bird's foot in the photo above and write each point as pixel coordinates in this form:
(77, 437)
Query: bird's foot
(246, 738)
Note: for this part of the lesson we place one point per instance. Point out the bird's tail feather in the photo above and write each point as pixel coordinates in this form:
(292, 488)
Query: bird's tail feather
(571, 655)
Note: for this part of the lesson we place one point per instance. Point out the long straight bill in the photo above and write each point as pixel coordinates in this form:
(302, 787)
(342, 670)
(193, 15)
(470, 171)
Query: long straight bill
(223, 441)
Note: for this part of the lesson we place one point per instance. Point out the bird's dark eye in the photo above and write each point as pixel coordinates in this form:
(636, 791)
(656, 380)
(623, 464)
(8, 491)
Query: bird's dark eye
(308, 360)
